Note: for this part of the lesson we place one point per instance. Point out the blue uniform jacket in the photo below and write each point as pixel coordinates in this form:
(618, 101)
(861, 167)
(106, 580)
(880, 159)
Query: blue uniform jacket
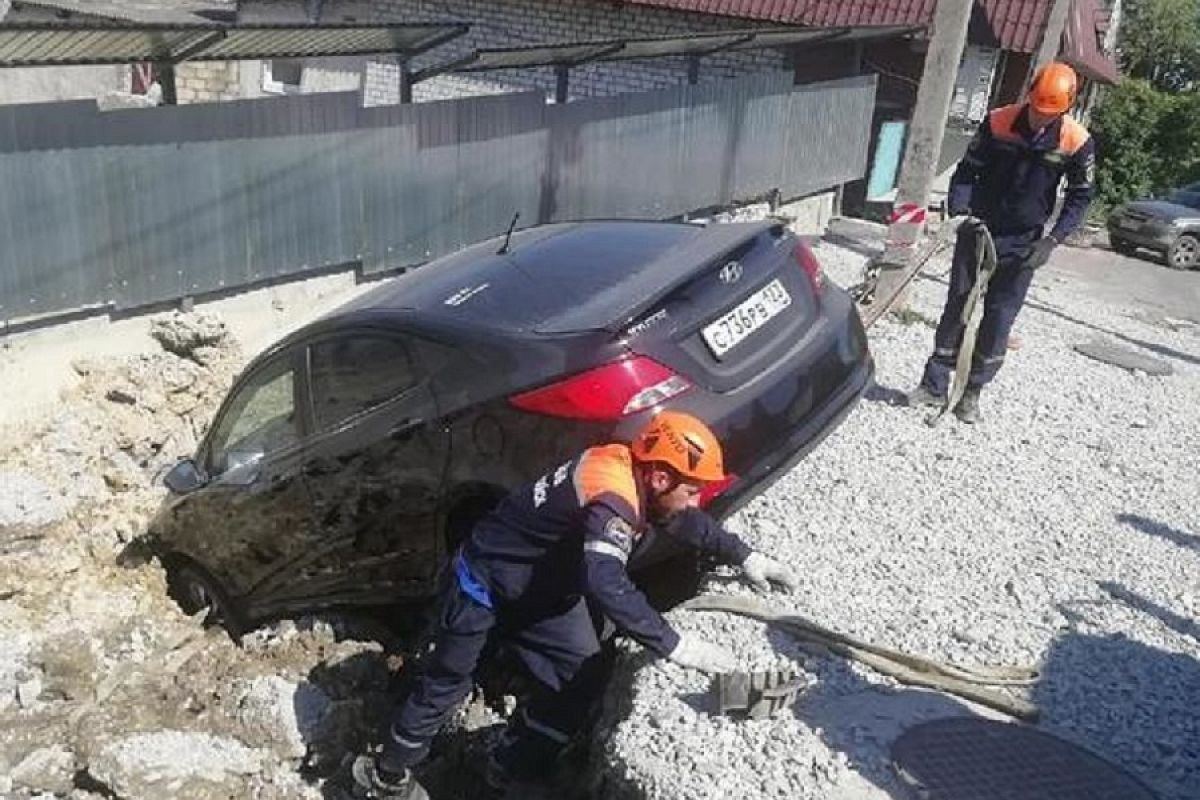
(570, 534)
(1010, 175)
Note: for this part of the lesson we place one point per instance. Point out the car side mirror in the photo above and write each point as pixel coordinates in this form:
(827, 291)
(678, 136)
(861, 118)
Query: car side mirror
(184, 477)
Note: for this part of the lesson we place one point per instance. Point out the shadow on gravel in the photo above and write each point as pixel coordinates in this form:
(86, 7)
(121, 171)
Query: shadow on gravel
(886, 395)
(1154, 347)
(1149, 526)
(1129, 702)
(1176, 622)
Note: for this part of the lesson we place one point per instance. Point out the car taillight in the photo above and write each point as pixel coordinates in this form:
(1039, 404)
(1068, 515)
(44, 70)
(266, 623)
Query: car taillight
(712, 491)
(606, 393)
(808, 262)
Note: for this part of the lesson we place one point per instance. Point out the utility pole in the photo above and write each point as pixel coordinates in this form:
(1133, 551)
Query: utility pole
(1051, 42)
(950, 21)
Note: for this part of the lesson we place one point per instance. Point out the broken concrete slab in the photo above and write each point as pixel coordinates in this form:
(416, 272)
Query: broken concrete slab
(1124, 357)
(178, 764)
(47, 769)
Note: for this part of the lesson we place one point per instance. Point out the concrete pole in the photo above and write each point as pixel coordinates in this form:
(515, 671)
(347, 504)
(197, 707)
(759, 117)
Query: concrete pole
(950, 21)
(1051, 41)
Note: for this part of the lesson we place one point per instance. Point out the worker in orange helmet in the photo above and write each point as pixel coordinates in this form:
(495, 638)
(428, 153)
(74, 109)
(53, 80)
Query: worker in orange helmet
(1009, 179)
(543, 573)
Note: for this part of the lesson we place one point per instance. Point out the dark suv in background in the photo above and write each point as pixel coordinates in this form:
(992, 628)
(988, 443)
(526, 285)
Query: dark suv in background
(349, 459)
(1169, 226)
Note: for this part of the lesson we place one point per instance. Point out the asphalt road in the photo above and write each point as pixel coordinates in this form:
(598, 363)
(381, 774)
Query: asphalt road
(1142, 282)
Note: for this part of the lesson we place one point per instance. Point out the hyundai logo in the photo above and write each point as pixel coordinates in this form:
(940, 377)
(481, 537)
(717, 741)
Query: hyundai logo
(730, 273)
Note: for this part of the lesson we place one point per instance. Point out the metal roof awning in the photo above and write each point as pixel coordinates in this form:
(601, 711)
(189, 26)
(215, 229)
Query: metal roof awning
(74, 44)
(1081, 46)
(573, 54)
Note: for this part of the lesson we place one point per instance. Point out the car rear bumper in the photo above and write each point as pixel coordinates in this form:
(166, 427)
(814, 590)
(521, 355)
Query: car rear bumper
(776, 462)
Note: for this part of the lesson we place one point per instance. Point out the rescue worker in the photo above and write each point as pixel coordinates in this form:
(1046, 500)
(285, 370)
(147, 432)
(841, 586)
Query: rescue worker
(532, 573)
(1009, 179)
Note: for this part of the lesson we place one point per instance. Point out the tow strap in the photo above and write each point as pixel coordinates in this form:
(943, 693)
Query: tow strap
(965, 682)
(972, 315)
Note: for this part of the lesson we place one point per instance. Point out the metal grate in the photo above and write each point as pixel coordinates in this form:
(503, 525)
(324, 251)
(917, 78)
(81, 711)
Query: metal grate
(968, 758)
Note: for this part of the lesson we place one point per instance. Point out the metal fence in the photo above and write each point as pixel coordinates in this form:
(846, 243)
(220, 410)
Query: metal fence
(121, 209)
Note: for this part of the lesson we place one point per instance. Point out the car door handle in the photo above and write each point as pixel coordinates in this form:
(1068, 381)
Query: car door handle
(404, 428)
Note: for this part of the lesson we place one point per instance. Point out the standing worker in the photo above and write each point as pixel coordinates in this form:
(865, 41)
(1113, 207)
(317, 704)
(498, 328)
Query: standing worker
(1009, 179)
(532, 574)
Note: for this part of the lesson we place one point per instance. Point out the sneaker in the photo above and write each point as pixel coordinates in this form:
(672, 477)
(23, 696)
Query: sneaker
(378, 784)
(967, 409)
(923, 396)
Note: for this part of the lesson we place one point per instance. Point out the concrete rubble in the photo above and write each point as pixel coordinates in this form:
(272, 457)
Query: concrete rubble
(106, 688)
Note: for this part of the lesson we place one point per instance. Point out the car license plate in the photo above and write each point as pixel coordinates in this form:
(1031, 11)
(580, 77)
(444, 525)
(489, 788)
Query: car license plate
(751, 314)
(1128, 224)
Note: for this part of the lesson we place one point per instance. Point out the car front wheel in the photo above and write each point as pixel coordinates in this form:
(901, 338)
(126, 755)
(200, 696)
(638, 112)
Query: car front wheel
(1185, 253)
(195, 590)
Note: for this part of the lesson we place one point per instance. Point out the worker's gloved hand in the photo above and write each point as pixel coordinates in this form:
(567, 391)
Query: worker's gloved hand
(1039, 253)
(695, 653)
(763, 570)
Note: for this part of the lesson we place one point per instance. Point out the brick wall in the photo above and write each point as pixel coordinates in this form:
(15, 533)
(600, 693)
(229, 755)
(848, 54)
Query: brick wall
(512, 23)
(207, 82)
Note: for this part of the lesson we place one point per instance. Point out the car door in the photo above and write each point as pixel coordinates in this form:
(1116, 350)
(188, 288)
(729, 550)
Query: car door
(253, 517)
(375, 466)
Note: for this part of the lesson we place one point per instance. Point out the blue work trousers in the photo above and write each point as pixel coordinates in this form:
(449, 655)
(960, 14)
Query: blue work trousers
(558, 644)
(1004, 298)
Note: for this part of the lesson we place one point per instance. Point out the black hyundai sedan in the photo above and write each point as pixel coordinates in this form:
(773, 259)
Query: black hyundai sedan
(349, 459)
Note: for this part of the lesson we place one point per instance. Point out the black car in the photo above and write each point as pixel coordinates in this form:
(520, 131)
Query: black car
(1170, 227)
(349, 459)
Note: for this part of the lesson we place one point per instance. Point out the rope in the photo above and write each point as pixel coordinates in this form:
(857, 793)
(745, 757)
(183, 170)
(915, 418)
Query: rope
(964, 682)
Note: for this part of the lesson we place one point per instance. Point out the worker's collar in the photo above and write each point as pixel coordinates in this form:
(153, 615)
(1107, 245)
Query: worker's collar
(1046, 134)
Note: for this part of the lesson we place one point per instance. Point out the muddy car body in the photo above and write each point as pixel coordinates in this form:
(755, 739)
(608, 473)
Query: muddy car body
(349, 459)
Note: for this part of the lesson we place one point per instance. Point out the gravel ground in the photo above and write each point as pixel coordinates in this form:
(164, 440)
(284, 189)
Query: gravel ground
(1061, 532)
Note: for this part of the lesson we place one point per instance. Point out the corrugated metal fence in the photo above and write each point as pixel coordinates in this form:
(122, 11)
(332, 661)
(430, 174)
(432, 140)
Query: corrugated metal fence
(126, 208)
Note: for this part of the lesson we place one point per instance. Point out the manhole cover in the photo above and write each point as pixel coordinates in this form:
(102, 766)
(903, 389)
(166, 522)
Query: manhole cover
(968, 758)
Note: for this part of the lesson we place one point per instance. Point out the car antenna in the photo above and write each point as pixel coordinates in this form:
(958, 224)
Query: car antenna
(508, 236)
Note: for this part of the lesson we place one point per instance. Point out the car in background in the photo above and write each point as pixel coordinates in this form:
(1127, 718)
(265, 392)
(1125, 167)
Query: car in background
(1170, 226)
(349, 460)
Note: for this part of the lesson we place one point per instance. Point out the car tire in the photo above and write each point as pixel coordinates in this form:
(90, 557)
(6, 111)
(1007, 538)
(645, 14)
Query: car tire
(1184, 253)
(1123, 247)
(194, 589)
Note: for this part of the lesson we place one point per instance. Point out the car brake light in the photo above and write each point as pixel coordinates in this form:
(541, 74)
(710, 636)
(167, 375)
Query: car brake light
(606, 393)
(712, 491)
(808, 262)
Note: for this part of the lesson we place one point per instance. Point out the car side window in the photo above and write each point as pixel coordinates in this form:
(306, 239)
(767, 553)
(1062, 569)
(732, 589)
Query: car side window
(352, 374)
(260, 419)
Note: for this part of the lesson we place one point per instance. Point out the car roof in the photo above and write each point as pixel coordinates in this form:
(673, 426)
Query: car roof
(554, 279)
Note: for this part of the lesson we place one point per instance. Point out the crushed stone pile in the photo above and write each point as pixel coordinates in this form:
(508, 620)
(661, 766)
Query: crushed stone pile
(106, 688)
(1063, 532)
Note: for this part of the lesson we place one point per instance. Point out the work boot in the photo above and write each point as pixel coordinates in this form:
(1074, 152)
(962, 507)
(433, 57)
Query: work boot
(378, 784)
(967, 409)
(923, 396)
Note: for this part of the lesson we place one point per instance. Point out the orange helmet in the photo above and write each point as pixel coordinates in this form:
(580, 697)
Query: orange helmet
(1053, 89)
(683, 443)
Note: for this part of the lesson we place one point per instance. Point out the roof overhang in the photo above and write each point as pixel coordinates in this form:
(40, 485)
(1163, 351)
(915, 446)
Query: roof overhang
(572, 54)
(1081, 45)
(71, 44)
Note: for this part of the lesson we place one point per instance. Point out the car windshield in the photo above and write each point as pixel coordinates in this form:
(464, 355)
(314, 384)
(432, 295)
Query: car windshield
(1189, 197)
